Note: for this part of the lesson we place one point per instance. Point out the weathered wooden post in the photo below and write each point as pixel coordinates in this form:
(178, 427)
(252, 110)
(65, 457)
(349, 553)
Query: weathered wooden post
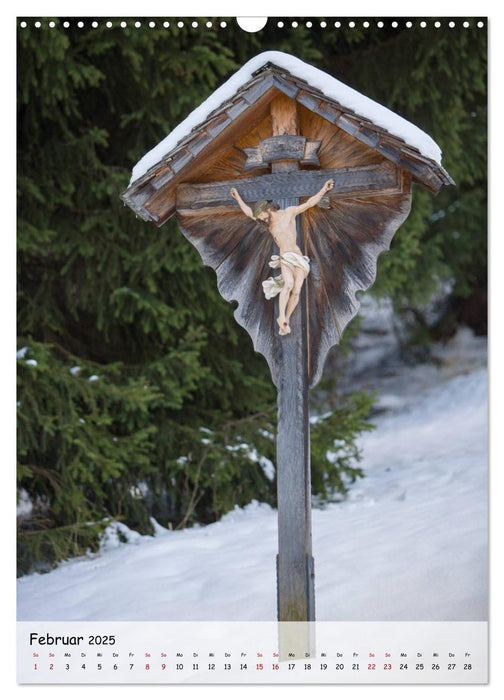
(295, 565)
(340, 167)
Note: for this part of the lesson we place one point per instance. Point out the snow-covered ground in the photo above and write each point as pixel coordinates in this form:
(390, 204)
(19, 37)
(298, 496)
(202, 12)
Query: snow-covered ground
(409, 542)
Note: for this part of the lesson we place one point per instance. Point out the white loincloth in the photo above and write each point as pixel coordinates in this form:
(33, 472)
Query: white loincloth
(273, 285)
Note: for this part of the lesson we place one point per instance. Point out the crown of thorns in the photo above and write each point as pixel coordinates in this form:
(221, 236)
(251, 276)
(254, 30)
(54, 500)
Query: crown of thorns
(264, 206)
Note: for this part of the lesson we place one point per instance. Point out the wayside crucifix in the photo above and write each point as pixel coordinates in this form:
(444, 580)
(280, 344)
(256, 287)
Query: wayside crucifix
(284, 167)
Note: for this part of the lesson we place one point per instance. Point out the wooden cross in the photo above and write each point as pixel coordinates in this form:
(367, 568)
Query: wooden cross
(278, 137)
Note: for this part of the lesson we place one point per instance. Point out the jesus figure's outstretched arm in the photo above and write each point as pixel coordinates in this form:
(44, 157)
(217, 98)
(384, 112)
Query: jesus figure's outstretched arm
(244, 207)
(312, 201)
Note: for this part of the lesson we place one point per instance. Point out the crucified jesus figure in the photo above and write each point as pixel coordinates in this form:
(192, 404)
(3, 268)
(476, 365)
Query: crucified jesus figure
(294, 266)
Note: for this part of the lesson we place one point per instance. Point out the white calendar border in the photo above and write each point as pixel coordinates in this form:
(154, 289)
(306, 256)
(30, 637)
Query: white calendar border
(259, 7)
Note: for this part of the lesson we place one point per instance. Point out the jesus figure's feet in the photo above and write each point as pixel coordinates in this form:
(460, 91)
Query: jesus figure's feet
(283, 325)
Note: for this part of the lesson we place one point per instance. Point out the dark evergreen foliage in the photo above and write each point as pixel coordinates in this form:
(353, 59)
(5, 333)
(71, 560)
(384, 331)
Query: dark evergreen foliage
(138, 394)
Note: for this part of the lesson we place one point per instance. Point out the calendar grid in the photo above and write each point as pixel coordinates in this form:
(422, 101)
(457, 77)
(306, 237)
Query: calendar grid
(231, 652)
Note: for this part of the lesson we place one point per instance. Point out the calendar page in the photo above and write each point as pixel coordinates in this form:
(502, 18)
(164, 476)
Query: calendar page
(173, 527)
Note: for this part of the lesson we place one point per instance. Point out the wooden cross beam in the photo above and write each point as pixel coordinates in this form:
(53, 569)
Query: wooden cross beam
(382, 178)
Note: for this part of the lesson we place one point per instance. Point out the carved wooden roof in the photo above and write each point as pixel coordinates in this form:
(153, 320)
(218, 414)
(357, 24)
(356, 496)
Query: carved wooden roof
(202, 146)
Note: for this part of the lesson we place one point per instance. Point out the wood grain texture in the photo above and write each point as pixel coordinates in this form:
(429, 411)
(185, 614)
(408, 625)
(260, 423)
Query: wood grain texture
(376, 177)
(280, 148)
(295, 564)
(163, 203)
(284, 116)
(343, 244)
(239, 250)
(337, 149)
(231, 161)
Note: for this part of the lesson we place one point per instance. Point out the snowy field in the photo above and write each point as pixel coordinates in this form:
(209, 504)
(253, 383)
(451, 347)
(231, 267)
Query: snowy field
(409, 542)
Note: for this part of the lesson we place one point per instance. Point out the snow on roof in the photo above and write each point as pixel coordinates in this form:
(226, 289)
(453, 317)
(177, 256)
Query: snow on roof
(331, 87)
